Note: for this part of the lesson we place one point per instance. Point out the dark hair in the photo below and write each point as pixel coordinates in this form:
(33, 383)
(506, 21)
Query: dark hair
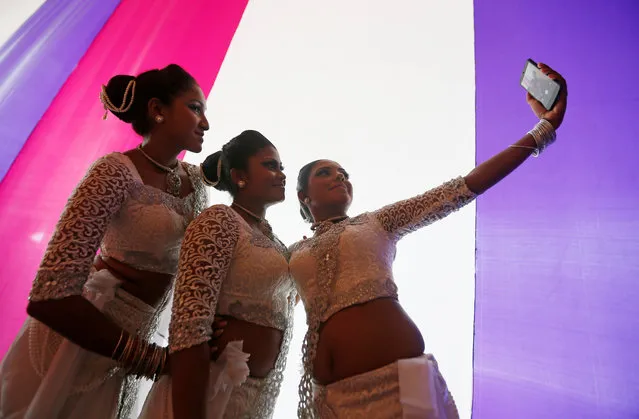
(235, 155)
(302, 186)
(165, 84)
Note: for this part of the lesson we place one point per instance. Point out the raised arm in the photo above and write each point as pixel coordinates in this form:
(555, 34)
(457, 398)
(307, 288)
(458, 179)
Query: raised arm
(56, 297)
(405, 216)
(490, 172)
(205, 258)
(411, 214)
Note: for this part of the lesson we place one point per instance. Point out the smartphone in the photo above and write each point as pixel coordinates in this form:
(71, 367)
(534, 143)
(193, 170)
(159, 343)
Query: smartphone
(539, 85)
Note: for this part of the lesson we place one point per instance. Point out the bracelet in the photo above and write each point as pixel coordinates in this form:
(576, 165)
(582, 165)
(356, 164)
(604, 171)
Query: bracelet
(163, 355)
(544, 134)
(142, 359)
(125, 357)
(115, 350)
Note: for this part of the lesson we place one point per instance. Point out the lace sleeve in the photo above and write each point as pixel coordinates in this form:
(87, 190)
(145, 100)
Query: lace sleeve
(411, 214)
(79, 232)
(205, 258)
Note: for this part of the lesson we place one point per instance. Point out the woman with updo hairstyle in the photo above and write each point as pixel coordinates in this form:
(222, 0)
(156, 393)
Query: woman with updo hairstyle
(363, 356)
(231, 265)
(86, 343)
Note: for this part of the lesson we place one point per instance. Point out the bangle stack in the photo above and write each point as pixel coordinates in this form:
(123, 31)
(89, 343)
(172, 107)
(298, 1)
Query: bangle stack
(140, 358)
(544, 134)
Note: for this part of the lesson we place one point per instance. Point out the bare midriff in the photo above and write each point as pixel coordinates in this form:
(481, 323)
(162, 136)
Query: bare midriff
(261, 342)
(365, 337)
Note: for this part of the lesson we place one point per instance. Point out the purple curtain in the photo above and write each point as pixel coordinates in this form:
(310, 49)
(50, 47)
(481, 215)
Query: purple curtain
(557, 310)
(37, 60)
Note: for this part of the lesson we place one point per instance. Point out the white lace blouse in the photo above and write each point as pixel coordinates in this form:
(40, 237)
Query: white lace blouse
(350, 262)
(227, 267)
(114, 211)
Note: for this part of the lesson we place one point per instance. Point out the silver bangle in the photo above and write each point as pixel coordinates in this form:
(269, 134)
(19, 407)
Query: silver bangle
(544, 134)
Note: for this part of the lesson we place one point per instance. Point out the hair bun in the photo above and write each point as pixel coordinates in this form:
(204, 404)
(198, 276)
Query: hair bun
(212, 174)
(235, 155)
(115, 93)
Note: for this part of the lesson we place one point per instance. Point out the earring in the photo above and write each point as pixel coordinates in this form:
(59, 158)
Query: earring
(159, 119)
(307, 200)
(241, 184)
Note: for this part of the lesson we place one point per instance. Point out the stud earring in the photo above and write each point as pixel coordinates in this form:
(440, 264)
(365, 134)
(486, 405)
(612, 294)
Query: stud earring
(307, 200)
(241, 184)
(159, 119)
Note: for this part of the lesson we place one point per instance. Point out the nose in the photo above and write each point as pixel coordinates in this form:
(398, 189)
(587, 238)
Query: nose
(204, 123)
(340, 177)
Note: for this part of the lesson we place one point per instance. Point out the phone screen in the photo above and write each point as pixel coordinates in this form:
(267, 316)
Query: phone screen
(540, 86)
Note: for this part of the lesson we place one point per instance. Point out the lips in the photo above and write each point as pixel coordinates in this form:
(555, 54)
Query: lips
(340, 185)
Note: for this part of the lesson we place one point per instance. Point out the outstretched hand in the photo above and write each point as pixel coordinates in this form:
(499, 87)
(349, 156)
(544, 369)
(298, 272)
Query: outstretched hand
(556, 115)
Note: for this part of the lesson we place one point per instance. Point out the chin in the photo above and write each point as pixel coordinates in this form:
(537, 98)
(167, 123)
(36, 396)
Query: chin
(277, 198)
(195, 148)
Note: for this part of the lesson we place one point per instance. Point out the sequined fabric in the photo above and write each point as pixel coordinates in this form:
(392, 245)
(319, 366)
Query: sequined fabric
(49, 376)
(227, 267)
(379, 394)
(374, 394)
(111, 209)
(247, 402)
(130, 313)
(350, 262)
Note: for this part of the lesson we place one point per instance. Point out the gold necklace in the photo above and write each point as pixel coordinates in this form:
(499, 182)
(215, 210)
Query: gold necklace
(259, 219)
(173, 180)
(263, 225)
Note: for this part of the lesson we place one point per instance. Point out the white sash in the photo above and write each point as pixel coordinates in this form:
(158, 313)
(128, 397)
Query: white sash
(422, 391)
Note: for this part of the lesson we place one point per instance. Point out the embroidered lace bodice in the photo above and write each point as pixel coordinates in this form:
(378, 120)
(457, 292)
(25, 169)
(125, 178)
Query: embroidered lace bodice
(228, 268)
(350, 262)
(113, 210)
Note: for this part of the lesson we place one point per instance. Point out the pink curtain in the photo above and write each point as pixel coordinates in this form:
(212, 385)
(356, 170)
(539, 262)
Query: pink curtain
(140, 35)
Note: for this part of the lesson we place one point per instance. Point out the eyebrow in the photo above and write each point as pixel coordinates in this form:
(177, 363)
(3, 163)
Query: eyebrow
(202, 104)
(339, 169)
(271, 160)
